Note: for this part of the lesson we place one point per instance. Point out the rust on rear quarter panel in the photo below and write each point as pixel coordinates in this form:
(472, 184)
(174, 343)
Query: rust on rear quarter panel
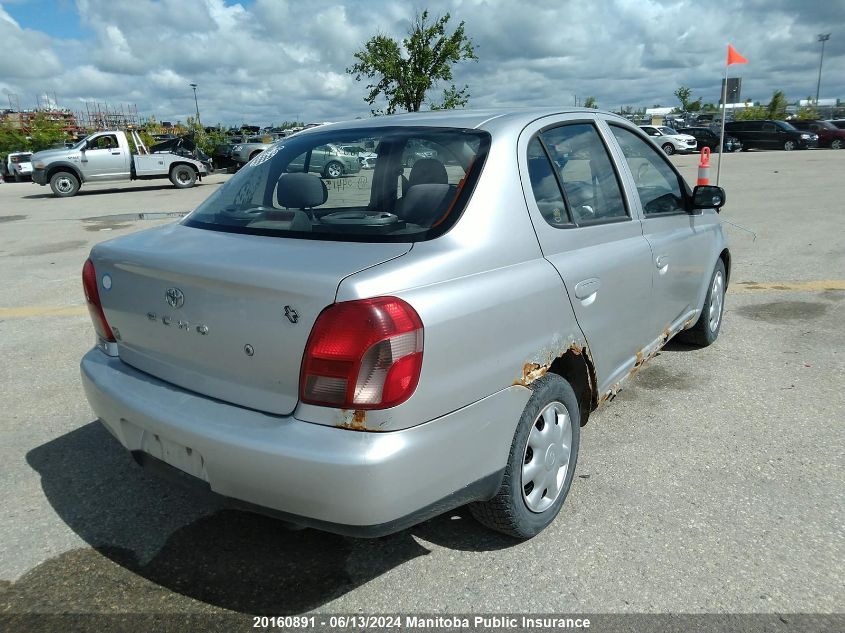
(354, 420)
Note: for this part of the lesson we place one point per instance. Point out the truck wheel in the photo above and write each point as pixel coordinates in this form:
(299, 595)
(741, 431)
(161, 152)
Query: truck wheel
(540, 465)
(183, 176)
(64, 184)
(669, 148)
(333, 170)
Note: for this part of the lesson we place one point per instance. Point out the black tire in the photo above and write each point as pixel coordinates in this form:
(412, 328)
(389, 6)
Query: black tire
(64, 184)
(668, 148)
(703, 333)
(508, 512)
(333, 170)
(17, 177)
(836, 144)
(789, 146)
(183, 176)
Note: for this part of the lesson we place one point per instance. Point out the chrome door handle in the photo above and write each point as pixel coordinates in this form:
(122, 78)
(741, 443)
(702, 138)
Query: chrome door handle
(661, 261)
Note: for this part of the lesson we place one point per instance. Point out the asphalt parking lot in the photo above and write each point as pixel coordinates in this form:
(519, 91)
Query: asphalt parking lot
(713, 483)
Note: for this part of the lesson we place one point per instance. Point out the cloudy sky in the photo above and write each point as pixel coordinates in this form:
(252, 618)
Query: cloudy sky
(265, 61)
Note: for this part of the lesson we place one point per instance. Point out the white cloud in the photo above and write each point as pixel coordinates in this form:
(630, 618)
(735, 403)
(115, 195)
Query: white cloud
(272, 60)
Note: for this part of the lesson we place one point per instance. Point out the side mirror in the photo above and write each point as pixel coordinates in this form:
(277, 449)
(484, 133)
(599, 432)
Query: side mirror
(708, 197)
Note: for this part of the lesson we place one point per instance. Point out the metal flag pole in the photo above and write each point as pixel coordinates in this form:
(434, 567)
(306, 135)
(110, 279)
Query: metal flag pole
(722, 135)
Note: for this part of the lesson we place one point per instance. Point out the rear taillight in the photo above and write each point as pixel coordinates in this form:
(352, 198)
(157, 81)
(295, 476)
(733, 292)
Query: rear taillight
(363, 354)
(95, 308)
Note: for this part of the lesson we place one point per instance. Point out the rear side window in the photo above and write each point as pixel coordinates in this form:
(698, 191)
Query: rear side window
(316, 186)
(585, 172)
(658, 186)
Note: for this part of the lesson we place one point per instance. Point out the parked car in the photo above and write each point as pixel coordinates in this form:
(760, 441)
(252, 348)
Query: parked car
(361, 358)
(705, 137)
(770, 134)
(670, 140)
(244, 151)
(329, 160)
(840, 123)
(365, 157)
(416, 151)
(18, 165)
(829, 135)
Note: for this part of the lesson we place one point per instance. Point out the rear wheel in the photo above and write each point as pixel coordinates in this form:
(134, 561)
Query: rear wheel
(183, 176)
(333, 170)
(64, 184)
(789, 146)
(706, 330)
(669, 148)
(540, 465)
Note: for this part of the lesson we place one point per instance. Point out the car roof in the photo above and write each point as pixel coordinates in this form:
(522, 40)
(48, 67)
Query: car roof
(484, 119)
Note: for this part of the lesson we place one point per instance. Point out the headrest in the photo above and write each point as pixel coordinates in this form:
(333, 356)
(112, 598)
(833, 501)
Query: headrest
(301, 191)
(425, 204)
(428, 171)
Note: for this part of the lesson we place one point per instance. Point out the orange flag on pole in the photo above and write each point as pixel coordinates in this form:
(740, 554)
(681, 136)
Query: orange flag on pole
(734, 57)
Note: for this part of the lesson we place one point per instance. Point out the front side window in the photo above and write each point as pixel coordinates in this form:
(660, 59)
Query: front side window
(574, 158)
(658, 185)
(313, 186)
(106, 141)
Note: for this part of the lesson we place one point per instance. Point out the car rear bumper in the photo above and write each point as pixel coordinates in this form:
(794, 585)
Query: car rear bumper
(339, 480)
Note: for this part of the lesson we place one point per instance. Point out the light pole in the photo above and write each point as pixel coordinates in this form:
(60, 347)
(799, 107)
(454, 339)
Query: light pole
(823, 37)
(196, 103)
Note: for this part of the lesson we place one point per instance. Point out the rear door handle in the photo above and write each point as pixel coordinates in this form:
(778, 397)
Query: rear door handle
(586, 290)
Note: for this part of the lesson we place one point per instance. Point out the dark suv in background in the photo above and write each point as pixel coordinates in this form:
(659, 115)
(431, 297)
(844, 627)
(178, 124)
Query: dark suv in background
(829, 135)
(770, 134)
(708, 138)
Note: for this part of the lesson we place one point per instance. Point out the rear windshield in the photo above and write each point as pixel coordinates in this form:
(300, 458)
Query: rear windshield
(316, 186)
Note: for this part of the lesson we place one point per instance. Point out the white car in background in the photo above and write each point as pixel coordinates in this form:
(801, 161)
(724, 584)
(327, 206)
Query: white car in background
(670, 139)
(19, 166)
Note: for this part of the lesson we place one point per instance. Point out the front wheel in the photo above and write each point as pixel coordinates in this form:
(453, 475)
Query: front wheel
(183, 176)
(64, 184)
(706, 329)
(789, 146)
(836, 144)
(669, 148)
(334, 170)
(540, 465)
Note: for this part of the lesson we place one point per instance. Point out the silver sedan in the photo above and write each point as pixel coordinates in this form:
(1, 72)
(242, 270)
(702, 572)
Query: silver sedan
(363, 353)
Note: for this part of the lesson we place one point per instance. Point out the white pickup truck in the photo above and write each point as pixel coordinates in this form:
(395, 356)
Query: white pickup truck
(106, 156)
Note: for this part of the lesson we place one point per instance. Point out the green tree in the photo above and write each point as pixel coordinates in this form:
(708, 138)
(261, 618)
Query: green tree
(404, 73)
(807, 113)
(590, 102)
(11, 139)
(45, 133)
(777, 106)
(684, 95)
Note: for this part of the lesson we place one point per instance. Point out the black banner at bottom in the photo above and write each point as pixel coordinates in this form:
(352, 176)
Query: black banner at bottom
(413, 623)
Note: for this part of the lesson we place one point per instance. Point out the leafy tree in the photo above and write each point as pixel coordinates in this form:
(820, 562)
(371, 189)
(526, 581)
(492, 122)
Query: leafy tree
(11, 139)
(45, 133)
(590, 102)
(684, 95)
(777, 106)
(404, 73)
(806, 113)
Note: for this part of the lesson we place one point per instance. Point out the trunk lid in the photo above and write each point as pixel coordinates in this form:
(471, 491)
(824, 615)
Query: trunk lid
(223, 314)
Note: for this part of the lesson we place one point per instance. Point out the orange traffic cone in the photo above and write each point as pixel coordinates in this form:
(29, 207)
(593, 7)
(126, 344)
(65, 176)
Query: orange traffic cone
(704, 167)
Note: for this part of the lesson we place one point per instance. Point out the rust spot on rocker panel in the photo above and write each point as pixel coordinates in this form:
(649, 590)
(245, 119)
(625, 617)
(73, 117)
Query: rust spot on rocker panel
(642, 359)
